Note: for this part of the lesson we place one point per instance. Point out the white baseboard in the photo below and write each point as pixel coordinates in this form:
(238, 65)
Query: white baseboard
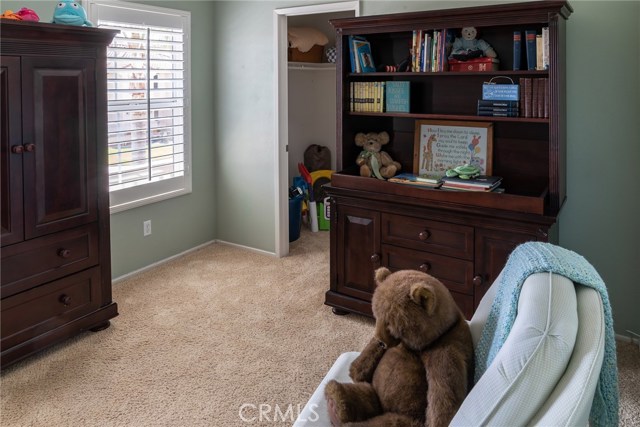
(162, 261)
(248, 248)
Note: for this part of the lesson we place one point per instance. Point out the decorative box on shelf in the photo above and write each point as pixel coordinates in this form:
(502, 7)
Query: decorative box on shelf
(313, 55)
(475, 64)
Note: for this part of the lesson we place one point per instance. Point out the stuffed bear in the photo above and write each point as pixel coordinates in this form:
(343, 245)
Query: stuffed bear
(417, 368)
(468, 47)
(372, 160)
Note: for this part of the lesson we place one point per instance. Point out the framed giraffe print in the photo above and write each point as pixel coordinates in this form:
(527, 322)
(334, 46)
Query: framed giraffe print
(445, 144)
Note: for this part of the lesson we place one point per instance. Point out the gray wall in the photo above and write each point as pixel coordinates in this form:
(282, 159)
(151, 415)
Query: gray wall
(184, 222)
(233, 129)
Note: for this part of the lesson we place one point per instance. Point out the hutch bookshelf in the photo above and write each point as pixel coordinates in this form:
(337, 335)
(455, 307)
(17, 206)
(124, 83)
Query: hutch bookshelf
(461, 238)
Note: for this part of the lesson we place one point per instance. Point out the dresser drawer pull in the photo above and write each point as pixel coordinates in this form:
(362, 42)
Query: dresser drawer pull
(375, 259)
(424, 235)
(477, 280)
(64, 253)
(17, 149)
(425, 267)
(65, 299)
(30, 148)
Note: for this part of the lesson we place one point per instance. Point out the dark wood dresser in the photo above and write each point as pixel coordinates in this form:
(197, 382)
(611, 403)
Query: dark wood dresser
(56, 267)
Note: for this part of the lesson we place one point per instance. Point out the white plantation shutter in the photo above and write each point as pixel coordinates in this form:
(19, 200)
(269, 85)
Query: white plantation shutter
(148, 102)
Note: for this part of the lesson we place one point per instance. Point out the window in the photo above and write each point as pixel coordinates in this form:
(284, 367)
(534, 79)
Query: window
(148, 85)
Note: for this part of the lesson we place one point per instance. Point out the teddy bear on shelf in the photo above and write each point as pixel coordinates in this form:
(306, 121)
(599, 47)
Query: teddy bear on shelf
(372, 160)
(469, 47)
(416, 369)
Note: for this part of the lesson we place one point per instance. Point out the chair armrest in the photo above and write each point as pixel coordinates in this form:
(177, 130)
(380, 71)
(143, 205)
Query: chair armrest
(314, 412)
(532, 359)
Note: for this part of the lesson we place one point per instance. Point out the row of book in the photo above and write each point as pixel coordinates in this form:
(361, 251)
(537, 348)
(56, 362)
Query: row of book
(534, 97)
(536, 48)
(430, 49)
(480, 183)
(378, 97)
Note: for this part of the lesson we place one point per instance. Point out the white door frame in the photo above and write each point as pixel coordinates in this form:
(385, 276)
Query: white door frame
(281, 139)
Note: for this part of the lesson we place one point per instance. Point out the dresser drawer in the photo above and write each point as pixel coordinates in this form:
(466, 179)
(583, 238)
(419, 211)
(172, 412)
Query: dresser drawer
(433, 236)
(39, 310)
(456, 274)
(28, 264)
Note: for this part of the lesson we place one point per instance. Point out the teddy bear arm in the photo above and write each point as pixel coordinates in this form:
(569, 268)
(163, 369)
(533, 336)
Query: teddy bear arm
(363, 367)
(448, 378)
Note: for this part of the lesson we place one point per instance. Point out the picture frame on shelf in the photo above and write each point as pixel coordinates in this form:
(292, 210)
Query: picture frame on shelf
(445, 144)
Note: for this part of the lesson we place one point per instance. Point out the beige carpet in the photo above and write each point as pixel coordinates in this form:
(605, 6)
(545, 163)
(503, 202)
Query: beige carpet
(201, 336)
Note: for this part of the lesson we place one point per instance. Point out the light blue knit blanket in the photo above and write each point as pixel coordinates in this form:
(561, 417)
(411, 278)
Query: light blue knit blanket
(536, 257)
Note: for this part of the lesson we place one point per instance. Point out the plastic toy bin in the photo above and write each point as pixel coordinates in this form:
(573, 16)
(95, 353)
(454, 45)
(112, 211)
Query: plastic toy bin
(295, 217)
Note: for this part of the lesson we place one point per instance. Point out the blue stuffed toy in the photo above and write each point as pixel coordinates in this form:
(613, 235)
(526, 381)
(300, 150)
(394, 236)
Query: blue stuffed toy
(70, 12)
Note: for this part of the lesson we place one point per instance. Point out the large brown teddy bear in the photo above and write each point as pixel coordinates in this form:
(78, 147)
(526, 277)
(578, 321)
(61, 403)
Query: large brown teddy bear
(372, 160)
(417, 368)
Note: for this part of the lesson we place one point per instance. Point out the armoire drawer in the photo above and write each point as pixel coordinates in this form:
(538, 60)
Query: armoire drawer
(39, 310)
(456, 274)
(425, 235)
(30, 263)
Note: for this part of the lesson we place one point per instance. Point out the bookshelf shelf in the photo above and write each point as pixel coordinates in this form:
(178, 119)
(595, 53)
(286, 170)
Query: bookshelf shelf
(378, 75)
(451, 117)
(377, 223)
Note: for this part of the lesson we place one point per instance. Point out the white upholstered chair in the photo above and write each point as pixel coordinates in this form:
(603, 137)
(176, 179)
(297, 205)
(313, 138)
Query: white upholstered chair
(545, 373)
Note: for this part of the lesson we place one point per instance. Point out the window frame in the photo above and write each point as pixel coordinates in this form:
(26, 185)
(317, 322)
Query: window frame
(154, 191)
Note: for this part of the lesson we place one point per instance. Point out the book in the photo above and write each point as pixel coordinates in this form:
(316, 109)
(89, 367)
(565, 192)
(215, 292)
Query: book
(397, 96)
(491, 103)
(514, 113)
(517, 49)
(365, 59)
(545, 48)
(530, 43)
(409, 178)
(480, 183)
(525, 101)
(499, 109)
(539, 52)
(352, 52)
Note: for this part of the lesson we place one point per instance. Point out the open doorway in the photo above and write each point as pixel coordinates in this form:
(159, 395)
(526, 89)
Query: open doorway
(286, 152)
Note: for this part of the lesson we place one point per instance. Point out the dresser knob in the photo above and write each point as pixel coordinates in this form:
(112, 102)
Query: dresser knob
(477, 280)
(375, 259)
(424, 235)
(30, 148)
(65, 299)
(425, 267)
(64, 253)
(17, 149)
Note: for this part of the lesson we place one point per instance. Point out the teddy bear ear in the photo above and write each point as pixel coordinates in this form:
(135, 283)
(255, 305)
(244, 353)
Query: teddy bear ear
(424, 297)
(381, 274)
(384, 137)
(360, 139)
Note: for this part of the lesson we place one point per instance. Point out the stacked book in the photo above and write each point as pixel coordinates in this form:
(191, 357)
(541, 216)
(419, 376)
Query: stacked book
(428, 181)
(500, 100)
(480, 183)
(498, 108)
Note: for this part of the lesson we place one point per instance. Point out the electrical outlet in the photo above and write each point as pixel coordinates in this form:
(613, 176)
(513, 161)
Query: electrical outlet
(146, 227)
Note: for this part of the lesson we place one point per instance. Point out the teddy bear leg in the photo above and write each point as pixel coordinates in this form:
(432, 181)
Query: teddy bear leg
(351, 402)
(389, 419)
(388, 171)
(365, 171)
